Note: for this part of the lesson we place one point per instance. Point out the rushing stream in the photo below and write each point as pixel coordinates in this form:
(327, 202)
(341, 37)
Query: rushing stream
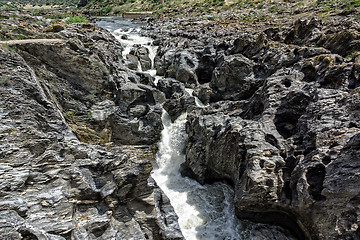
(204, 211)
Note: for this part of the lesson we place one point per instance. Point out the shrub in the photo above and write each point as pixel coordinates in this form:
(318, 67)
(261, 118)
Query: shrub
(106, 10)
(77, 19)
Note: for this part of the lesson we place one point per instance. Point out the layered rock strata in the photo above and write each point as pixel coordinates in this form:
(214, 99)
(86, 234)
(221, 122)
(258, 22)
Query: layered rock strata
(77, 130)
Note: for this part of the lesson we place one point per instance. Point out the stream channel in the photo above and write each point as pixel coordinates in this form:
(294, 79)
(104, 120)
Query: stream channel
(205, 212)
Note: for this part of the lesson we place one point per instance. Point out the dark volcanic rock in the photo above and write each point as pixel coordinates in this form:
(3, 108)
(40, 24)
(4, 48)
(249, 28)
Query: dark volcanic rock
(234, 79)
(282, 124)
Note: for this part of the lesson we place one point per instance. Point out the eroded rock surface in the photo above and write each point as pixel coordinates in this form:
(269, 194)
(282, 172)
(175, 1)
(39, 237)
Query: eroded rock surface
(68, 170)
(282, 124)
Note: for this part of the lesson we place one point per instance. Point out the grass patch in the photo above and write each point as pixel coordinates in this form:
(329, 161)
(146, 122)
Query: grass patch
(106, 10)
(92, 95)
(3, 17)
(77, 19)
(351, 55)
(7, 47)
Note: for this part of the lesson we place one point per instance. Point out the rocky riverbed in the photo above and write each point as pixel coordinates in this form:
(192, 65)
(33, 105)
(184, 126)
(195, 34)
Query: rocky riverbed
(281, 123)
(79, 125)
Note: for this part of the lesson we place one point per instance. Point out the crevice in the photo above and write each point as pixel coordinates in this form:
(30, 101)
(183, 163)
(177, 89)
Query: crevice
(280, 218)
(315, 177)
(287, 116)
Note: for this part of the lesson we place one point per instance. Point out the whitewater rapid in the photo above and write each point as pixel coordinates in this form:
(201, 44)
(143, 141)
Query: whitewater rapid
(206, 212)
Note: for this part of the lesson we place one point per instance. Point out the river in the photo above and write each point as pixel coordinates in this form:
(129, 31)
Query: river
(205, 212)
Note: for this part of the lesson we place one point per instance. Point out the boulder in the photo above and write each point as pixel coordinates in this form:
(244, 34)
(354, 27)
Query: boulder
(234, 79)
(177, 98)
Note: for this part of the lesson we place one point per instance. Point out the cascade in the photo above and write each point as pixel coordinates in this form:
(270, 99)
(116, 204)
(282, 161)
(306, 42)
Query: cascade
(205, 212)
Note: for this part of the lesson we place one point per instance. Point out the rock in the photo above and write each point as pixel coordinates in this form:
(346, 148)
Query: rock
(249, 45)
(144, 128)
(139, 55)
(132, 62)
(281, 156)
(281, 119)
(143, 56)
(304, 31)
(329, 70)
(52, 185)
(234, 79)
(177, 64)
(178, 99)
(103, 79)
(162, 62)
(204, 93)
(207, 64)
(138, 118)
(171, 87)
(343, 43)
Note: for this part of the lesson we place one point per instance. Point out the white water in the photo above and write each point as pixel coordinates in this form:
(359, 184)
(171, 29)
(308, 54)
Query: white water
(206, 212)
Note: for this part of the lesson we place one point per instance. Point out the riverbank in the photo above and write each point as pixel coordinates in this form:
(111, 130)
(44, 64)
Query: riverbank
(283, 96)
(281, 125)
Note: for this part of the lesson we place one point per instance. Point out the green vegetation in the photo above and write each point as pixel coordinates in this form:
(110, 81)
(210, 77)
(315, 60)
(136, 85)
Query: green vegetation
(331, 5)
(69, 114)
(92, 95)
(20, 4)
(4, 81)
(90, 116)
(106, 10)
(352, 55)
(4, 17)
(7, 47)
(179, 7)
(77, 19)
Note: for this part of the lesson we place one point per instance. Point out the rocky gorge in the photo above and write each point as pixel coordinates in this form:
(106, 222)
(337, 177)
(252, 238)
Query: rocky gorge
(77, 129)
(281, 123)
(80, 125)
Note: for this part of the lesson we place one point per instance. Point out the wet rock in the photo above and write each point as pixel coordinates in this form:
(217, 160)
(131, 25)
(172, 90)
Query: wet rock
(132, 62)
(143, 55)
(204, 93)
(171, 87)
(139, 55)
(177, 98)
(284, 163)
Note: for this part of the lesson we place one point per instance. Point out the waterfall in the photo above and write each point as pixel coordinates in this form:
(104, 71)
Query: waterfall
(206, 212)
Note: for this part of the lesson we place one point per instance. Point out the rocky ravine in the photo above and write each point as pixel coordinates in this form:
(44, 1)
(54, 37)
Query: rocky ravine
(281, 126)
(76, 130)
(282, 121)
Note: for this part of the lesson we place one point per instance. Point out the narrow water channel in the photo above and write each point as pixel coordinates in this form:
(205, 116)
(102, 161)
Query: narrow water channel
(205, 212)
